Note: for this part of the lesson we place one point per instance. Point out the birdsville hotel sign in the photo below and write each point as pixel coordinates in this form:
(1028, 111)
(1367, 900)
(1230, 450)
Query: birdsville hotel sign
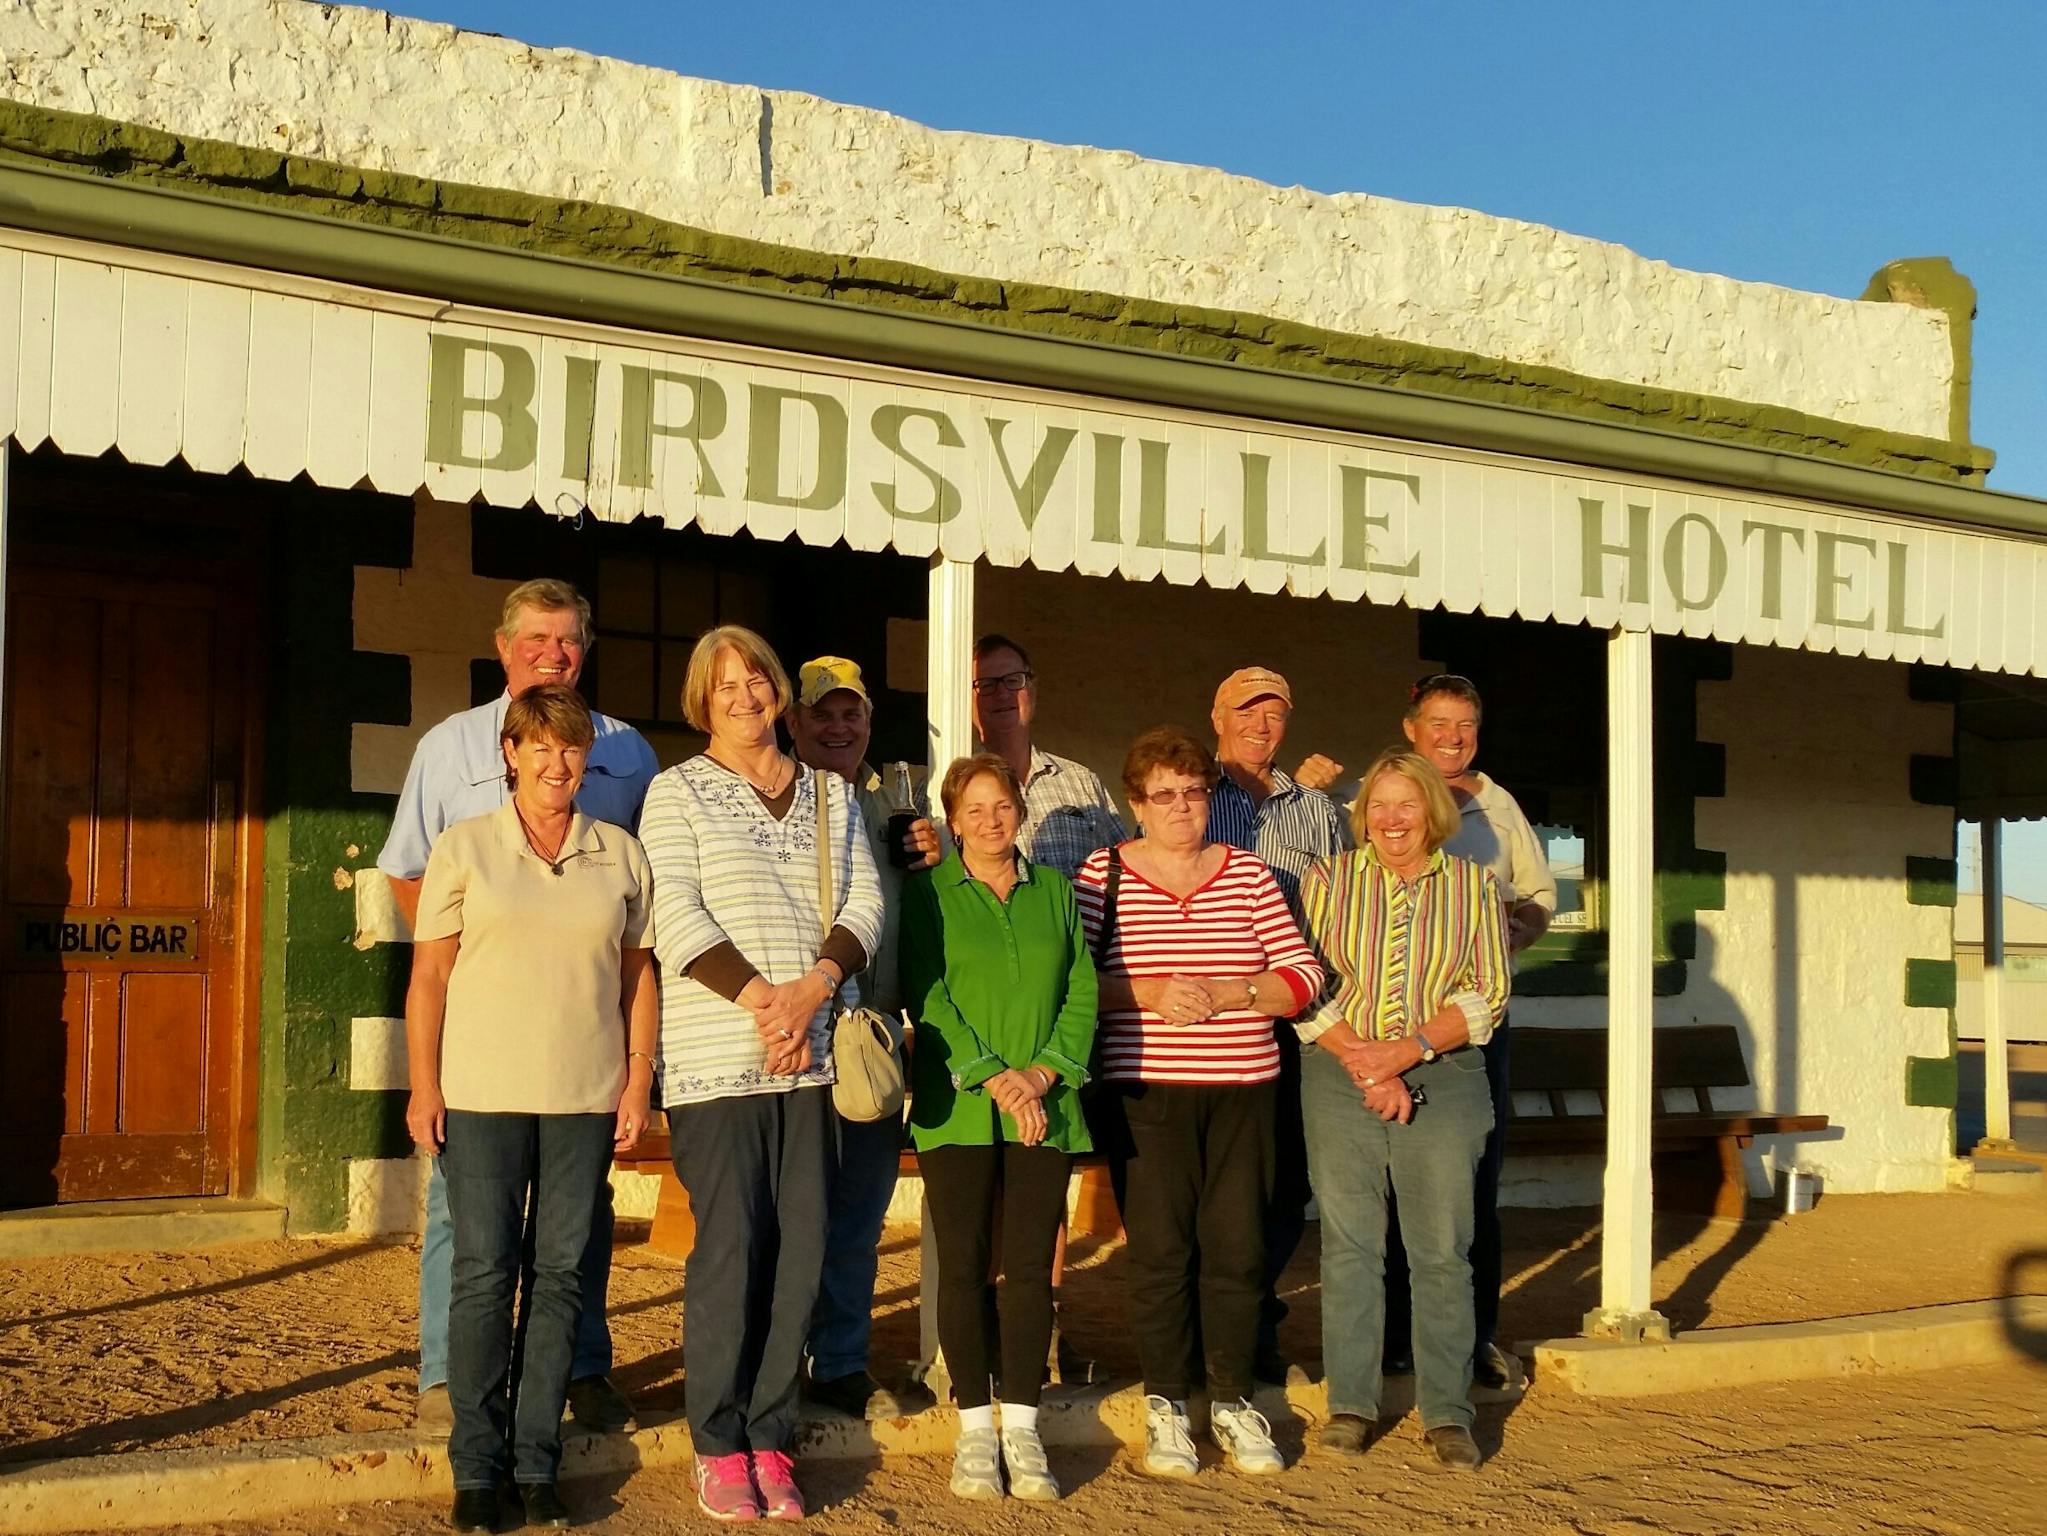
(348, 385)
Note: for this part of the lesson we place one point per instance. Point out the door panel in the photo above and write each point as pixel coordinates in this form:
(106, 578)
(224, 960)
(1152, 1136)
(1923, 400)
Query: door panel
(119, 965)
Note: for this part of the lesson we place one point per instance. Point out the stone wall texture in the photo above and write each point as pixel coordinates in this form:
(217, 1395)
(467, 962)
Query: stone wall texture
(367, 89)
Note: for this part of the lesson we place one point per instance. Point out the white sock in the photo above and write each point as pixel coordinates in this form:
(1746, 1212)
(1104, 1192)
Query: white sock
(982, 1417)
(1017, 1416)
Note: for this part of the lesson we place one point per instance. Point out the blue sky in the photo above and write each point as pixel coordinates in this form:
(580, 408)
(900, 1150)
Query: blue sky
(1796, 143)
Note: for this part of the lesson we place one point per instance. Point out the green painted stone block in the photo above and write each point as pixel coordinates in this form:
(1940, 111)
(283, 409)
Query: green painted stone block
(1929, 983)
(1930, 882)
(1933, 780)
(1932, 1082)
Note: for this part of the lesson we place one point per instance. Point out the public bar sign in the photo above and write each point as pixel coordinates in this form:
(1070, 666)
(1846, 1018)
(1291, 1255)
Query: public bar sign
(287, 376)
(96, 936)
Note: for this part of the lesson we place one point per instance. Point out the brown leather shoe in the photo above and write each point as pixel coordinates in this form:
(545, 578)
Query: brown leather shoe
(1347, 1434)
(1454, 1447)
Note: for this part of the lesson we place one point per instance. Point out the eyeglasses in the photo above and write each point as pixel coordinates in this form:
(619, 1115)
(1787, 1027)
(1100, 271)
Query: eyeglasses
(1162, 798)
(1442, 682)
(1011, 682)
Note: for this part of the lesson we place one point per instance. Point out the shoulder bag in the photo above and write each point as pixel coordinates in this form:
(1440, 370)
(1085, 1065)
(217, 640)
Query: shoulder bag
(868, 1065)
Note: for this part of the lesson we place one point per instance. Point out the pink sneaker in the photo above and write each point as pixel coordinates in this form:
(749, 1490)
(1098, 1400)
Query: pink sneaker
(725, 1488)
(775, 1473)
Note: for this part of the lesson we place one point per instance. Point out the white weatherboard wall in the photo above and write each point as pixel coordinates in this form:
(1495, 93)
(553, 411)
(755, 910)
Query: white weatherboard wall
(381, 92)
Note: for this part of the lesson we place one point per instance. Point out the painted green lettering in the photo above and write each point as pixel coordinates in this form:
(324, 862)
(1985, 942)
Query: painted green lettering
(1108, 488)
(945, 496)
(1895, 616)
(1674, 562)
(579, 416)
(1355, 547)
(1594, 551)
(1829, 581)
(1036, 485)
(764, 486)
(1775, 535)
(449, 403)
(1258, 516)
(1151, 503)
(638, 427)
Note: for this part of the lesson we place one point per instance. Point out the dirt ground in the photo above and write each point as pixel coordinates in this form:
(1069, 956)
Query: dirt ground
(1953, 1453)
(304, 1337)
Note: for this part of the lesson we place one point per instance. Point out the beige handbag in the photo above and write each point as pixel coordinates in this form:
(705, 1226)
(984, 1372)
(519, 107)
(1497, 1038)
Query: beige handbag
(868, 1065)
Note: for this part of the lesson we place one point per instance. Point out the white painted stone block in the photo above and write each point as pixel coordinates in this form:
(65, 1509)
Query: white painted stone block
(386, 1195)
(376, 1055)
(377, 918)
(634, 1194)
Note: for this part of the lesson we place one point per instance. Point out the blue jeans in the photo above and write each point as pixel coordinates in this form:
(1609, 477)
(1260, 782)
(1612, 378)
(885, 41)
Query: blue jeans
(862, 1184)
(1430, 1162)
(436, 1273)
(498, 1168)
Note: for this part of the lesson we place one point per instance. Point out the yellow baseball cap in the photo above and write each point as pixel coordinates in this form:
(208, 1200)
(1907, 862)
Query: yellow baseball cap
(828, 674)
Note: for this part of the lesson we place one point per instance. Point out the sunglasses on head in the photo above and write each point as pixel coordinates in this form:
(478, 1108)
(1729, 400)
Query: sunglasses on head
(1440, 682)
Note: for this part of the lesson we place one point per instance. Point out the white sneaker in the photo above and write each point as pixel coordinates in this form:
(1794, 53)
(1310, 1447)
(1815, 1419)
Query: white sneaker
(1030, 1474)
(1245, 1436)
(976, 1471)
(1168, 1439)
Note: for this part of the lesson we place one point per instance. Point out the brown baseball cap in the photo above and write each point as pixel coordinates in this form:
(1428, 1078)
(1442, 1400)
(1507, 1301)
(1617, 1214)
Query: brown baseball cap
(1248, 683)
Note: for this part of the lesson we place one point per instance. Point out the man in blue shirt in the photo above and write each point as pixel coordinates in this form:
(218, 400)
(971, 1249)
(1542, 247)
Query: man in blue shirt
(458, 771)
(1257, 807)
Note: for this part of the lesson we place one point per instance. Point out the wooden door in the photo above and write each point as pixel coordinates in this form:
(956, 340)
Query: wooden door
(120, 973)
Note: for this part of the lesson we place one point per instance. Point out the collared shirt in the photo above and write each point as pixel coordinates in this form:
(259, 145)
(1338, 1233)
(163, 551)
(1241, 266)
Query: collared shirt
(1494, 834)
(1397, 951)
(1067, 814)
(458, 771)
(995, 984)
(1234, 925)
(534, 1022)
(726, 870)
(1290, 829)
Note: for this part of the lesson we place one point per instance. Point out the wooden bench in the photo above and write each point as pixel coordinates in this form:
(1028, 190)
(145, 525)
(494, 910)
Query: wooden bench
(1695, 1153)
(675, 1229)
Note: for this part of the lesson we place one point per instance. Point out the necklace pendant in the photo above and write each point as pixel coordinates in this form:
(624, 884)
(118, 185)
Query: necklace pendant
(556, 867)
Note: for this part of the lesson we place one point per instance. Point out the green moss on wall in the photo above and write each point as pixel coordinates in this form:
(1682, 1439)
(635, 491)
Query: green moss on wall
(620, 236)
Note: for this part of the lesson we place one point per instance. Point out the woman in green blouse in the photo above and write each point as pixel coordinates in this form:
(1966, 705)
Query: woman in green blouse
(998, 980)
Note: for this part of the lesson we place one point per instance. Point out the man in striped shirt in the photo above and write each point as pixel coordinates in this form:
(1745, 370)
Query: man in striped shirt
(1257, 807)
(1067, 814)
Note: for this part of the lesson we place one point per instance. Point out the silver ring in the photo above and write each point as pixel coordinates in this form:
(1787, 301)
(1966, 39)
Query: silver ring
(783, 1033)
(1371, 1082)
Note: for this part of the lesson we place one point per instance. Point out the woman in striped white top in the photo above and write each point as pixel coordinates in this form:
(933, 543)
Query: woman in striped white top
(1197, 955)
(749, 963)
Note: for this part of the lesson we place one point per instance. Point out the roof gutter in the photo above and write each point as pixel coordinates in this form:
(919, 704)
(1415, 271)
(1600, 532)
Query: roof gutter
(89, 207)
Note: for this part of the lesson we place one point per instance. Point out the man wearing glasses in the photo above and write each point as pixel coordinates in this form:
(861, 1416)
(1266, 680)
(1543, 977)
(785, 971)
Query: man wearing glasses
(1067, 814)
(1257, 807)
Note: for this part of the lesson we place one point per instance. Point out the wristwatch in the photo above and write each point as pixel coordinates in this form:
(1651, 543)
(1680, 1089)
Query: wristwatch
(1250, 994)
(1429, 1052)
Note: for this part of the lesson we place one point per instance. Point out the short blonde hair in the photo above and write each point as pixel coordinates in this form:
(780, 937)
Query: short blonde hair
(703, 663)
(965, 770)
(1419, 771)
(545, 596)
(547, 712)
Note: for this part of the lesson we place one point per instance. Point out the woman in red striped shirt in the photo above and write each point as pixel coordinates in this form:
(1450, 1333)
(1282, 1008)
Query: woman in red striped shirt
(1197, 955)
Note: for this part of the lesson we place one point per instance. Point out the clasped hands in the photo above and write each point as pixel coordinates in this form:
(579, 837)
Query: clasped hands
(1374, 1066)
(1189, 999)
(781, 1016)
(1021, 1096)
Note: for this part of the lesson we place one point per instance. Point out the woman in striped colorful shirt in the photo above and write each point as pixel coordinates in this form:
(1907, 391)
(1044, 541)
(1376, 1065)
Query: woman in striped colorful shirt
(1416, 952)
(1197, 955)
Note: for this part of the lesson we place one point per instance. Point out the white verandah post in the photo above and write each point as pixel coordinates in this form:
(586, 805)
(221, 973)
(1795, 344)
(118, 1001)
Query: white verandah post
(949, 641)
(1624, 1309)
(1996, 1054)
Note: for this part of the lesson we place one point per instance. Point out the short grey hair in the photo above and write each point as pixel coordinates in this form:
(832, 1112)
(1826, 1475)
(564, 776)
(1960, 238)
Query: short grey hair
(546, 595)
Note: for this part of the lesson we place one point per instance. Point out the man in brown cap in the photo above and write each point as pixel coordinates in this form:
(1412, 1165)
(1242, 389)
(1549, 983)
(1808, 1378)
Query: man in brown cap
(1259, 808)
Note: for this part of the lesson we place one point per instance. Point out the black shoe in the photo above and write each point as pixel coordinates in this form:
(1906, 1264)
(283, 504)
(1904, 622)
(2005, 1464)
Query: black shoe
(600, 1407)
(1491, 1369)
(1454, 1447)
(476, 1509)
(544, 1506)
(858, 1396)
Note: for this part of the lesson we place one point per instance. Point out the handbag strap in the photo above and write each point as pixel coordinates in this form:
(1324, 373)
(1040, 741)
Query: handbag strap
(825, 910)
(1106, 934)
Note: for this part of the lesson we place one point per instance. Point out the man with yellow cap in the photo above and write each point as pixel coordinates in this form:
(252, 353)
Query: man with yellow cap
(1259, 808)
(830, 724)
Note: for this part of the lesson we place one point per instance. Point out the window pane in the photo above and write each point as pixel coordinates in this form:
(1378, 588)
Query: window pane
(625, 678)
(1564, 847)
(674, 668)
(625, 595)
(688, 598)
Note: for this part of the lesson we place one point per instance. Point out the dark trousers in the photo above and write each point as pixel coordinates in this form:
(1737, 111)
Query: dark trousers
(863, 1182)
(1485, 1232)
(964, 1185)
(757, 1168)
(1194, 1192)
(1286, 1213)
(496, 1166)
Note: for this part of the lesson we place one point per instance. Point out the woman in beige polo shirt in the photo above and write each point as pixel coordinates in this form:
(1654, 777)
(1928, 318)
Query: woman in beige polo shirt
(530, 1024)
